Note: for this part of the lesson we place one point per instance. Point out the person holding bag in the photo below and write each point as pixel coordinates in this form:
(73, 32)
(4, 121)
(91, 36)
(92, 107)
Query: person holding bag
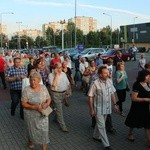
(36, 98)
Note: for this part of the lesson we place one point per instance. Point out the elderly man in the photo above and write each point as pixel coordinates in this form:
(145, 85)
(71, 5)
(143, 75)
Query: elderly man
(14, 76)
(59, 84)
(101, 93)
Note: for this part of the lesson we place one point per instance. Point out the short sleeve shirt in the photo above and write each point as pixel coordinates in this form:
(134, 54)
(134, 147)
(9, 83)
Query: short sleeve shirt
(102, 92)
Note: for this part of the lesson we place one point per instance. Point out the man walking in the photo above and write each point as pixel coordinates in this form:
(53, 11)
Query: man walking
(2, 70)
(14, 76)
(59, 84)
(101, 93)
(134, 49)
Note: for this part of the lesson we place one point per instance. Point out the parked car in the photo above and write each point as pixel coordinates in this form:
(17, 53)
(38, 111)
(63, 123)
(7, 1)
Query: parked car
(89, 53)
(111, 53)
(148, 50)
(141, 49)
(71, 52)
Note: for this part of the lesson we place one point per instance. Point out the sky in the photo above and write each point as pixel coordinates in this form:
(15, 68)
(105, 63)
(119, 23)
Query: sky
(34, 13)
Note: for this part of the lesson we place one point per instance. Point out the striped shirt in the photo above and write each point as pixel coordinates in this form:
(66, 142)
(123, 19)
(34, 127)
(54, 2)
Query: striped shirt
(13, 72)
(102, 91)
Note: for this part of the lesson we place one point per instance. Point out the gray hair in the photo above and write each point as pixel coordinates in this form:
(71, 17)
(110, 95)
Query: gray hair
(35, 74)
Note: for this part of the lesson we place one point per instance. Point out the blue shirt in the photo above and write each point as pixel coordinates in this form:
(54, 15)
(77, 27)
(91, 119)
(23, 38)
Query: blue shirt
(13, 72)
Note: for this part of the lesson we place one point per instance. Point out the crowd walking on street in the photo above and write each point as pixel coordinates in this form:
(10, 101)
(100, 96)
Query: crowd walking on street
(49, 80)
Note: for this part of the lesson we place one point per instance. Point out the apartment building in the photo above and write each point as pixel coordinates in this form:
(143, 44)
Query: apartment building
(56, 26)
(33, 33)
(86, 24)
(3, 29)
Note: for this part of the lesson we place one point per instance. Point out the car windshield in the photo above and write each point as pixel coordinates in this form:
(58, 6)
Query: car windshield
(110, 51)
(85, 51)
(72, 50)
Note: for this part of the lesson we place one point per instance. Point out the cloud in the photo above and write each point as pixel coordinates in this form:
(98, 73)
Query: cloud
(116, 10)
(58, 4)
(44, 3)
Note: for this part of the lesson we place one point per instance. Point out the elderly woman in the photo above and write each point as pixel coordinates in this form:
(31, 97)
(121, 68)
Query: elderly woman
(34, 99)
(139, 114)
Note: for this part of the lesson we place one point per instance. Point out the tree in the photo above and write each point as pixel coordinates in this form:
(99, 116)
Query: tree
(49, 36)
(92, 39)
(40, 42)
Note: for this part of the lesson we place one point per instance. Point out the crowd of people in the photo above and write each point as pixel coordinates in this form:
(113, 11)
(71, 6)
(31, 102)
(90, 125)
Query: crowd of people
(40, 81)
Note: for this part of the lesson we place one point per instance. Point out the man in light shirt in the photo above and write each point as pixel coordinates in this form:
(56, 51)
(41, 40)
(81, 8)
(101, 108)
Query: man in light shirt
(59, 84)
(134, 49)
(101, 93)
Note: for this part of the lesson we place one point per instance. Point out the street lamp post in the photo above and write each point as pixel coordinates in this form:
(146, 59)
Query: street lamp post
(62, 37)
(19, 44)
(111, 28)
(133, 40)
(75, 32)
(1, 14)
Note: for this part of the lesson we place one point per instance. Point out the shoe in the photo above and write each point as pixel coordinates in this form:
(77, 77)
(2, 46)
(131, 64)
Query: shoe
(108, 148)
(12, 113)
(66, 104)
(122, 114)
(131, 138)
(112, 131)
(64, 129)
(98, 140)
(22, 117)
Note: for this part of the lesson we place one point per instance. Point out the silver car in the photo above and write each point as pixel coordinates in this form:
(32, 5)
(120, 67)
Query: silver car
(89, 53)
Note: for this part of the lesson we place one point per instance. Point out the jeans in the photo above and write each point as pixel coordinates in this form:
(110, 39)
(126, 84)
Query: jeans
(16, 99)
(2, 75)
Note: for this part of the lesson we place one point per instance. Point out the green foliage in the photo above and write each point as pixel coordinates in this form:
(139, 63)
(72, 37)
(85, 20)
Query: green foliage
(92, 39)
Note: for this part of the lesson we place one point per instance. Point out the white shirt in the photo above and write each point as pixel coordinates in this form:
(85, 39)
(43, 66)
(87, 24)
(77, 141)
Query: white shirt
(83, 66)
(134, 49)
(62, 82)
(110, 69)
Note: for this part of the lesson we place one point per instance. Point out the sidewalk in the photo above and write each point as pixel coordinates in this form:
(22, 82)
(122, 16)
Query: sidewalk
(78, 120)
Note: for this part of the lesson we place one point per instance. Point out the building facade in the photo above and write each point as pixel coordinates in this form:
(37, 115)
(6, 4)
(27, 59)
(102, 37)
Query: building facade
(33, 33)
(3, 29)
(56, 26)
(86, 24)
(137, 34)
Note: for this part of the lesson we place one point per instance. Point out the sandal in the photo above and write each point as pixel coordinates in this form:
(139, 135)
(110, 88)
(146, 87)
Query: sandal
(30, 145)
(131, 137)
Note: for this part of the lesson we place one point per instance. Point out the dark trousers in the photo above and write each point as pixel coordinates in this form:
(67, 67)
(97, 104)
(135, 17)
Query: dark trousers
(16, 99)
(121, 98)
(2, 75)
(108, 122)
